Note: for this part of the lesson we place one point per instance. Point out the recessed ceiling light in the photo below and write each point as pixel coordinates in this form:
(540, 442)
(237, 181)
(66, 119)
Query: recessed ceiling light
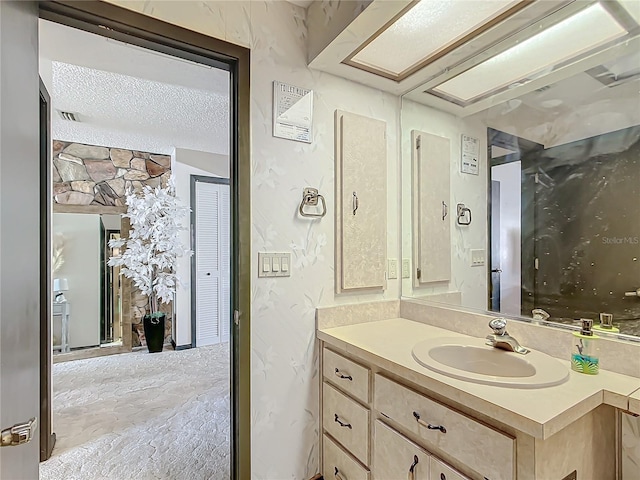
(426, 31)
(584, 31)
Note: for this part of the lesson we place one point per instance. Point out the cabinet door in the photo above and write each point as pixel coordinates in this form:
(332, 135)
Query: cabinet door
(361, 202)
(431, 208)
(442, 471)
(396, 458)
(346, 421)
(339, 465)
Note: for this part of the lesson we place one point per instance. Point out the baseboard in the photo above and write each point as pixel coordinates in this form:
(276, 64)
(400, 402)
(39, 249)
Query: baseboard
(180, 347)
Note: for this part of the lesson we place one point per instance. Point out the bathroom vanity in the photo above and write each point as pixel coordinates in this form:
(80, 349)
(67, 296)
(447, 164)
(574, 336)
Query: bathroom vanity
(385, 416)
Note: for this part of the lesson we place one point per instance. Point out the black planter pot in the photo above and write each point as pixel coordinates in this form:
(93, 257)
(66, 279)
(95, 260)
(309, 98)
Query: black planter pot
(154, 331)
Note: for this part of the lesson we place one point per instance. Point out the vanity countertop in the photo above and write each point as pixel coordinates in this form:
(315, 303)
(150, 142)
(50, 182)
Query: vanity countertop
(537, 412)
(634, 402)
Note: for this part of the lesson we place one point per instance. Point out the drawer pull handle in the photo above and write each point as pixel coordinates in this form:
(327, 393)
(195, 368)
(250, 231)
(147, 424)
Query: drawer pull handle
(339, 375)
(428, 425)
(337, 475)
(341, 423)
(413, 467)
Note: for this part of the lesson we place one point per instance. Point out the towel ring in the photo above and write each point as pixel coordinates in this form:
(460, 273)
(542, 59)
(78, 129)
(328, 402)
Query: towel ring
(310, 197)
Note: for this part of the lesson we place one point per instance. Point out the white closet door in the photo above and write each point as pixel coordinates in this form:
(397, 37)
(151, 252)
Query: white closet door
(212, 251)
(225, 262)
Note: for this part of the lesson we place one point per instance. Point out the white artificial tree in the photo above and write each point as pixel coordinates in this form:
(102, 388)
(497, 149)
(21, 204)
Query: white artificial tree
(149, 256)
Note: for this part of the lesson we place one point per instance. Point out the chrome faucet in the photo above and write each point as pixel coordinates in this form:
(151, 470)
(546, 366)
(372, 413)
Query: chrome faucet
(540, 315)
(500, 338)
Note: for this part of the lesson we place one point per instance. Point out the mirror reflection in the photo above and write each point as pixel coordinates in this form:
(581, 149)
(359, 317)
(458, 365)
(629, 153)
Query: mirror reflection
(530, 207)
(87, 293)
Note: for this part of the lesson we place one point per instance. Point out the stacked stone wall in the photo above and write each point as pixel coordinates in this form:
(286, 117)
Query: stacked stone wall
(95, 175)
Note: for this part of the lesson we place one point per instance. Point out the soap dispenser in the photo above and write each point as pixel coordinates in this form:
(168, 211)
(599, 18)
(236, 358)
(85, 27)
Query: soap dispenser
(606, 324)
(584, 354)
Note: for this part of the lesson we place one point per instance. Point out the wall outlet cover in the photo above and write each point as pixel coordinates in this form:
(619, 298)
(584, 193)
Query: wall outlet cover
(393, 269)
(406, 268)
(477, 257)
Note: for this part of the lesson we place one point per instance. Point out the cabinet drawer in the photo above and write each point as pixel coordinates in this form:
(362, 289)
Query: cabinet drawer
(339, 465)
(396, 458)
(468, 441)
(346, 421)
(442, 471)
(347, 375)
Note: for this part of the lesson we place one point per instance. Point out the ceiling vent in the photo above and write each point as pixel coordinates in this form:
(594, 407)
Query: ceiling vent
(72, 117)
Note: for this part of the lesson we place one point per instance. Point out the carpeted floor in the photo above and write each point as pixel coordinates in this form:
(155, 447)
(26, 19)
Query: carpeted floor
(142, 416)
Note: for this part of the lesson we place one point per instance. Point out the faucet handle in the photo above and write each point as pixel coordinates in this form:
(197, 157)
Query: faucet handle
(498, 325)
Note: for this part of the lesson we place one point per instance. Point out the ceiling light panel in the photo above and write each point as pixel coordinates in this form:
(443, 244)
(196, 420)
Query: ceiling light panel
(428, 28)
(538, 55)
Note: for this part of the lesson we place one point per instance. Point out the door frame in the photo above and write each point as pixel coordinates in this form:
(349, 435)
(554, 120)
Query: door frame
(144, 31)
(192, 198)
(521, 147)
(47, 437)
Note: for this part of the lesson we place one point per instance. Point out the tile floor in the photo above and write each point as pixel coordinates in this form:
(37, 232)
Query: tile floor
(142, 416)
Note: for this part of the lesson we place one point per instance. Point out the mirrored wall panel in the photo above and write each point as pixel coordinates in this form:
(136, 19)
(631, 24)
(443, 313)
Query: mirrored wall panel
(87, 292)
(538, 213)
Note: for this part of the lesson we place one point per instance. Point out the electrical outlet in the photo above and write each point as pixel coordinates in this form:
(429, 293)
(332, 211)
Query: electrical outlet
(393, 269)
(477, 257)
(406, 268)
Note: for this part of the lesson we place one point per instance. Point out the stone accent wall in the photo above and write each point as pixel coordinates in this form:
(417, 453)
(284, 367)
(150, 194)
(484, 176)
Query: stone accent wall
(95, 175)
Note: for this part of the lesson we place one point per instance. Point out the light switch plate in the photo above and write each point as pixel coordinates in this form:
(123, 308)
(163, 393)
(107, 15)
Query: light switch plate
(392, 269)
(477, 257)
(274, 264)
(406, 268)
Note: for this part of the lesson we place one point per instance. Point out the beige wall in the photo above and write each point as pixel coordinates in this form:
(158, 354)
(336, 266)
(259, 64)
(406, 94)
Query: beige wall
(184, 163)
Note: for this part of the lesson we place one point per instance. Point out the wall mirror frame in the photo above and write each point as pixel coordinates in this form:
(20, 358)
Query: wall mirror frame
(116, 307)
(545, 230)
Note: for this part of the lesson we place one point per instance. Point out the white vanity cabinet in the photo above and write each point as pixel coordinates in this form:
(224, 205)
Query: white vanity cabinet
(444, 431)
(379, 425)
(358, 441)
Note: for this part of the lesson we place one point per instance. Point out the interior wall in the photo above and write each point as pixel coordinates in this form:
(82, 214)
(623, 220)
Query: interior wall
(184, 163)
(471, 190)
(510, 235)
(284, 350)
(81, 267)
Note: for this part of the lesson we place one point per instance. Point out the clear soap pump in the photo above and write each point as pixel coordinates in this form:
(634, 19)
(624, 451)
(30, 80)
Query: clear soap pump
(584, 354)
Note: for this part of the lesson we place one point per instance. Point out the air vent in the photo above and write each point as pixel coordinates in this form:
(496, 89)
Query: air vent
(72, 117)
(543, 89)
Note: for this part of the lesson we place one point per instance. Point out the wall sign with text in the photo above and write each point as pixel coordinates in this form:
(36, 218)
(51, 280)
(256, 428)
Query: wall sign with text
(470, 155)
(292, 112)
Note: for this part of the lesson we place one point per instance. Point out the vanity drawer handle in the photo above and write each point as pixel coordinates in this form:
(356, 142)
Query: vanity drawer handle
(337, 475)
(340, 375)
(341, 423)
(428, 425)
(413, 467)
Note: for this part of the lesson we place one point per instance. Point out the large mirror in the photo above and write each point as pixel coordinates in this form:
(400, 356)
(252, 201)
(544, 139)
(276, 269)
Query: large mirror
(521, 193)
(87, 292)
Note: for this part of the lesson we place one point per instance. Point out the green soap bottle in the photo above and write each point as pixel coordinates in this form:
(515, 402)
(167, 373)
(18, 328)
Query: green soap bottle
(584, 354)
(606, 324)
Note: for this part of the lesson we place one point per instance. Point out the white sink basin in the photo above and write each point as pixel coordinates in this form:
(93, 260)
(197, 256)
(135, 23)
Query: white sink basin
(468, 358)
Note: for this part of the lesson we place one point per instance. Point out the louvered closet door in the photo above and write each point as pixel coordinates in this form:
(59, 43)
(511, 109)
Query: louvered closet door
(212, 251)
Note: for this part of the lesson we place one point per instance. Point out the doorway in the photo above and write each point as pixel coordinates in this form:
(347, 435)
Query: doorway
(210, 207)
(123, 25)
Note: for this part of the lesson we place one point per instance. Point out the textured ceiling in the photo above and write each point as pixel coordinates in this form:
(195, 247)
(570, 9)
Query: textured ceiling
(132, 98)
